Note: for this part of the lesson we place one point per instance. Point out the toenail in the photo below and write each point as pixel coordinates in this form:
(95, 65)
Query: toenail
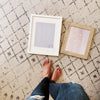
(57, 68)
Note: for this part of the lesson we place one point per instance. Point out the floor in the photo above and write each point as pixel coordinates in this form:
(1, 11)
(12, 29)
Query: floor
(21, 72)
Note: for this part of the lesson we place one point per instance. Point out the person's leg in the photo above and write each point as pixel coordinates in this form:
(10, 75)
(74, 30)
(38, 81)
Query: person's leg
(76, 92)
(43, 88)
(65, 91)
(54, 87)
(71, 91)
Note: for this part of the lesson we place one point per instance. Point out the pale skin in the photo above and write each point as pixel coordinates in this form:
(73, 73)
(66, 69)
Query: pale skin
(46, 71)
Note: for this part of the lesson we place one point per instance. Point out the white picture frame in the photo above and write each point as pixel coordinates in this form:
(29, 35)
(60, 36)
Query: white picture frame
(44, 35)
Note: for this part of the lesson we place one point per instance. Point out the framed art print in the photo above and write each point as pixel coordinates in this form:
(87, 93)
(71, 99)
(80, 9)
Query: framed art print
(77, 40)
(45, 32)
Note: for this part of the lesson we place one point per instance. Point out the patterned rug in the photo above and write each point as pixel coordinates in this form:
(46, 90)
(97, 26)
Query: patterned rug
(21, 72)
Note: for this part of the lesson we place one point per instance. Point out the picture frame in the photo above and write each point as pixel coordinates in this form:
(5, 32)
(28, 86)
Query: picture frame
(77, 40)
(44, 35)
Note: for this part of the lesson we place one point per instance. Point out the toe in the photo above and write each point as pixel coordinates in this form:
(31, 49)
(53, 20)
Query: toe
(57, 68)
(60, 72)
(45, 62)
(50, 61)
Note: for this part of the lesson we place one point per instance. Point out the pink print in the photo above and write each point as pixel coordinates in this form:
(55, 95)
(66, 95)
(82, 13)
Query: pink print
(77, 40)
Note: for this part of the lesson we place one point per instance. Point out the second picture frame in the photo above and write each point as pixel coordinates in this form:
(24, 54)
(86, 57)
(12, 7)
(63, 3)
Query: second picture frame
(77, 40)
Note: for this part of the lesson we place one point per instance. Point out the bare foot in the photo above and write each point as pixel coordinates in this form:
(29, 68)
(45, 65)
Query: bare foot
(56, 74)
(46, 68)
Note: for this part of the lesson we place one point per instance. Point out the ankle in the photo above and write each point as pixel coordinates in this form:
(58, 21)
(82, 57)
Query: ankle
(52, 81)
(45, 76)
